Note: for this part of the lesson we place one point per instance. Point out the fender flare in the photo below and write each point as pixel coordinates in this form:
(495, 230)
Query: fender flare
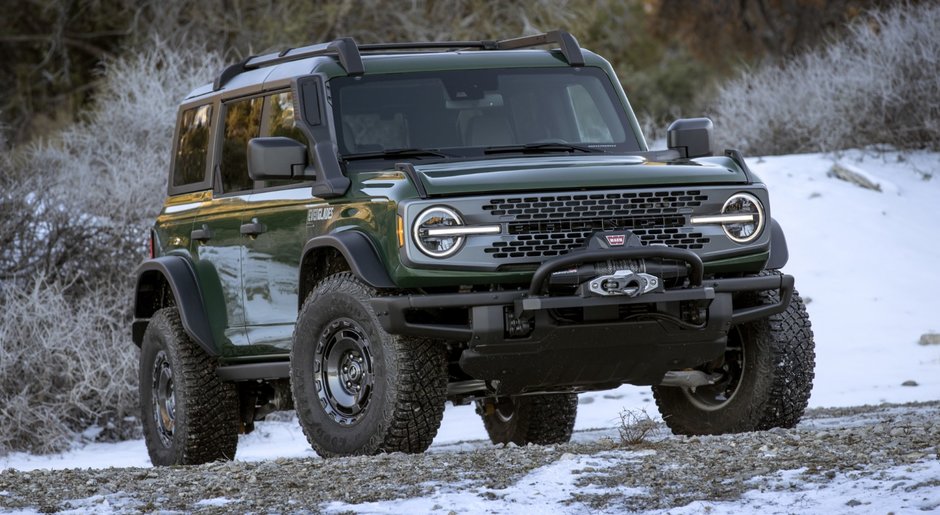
(779, 254)
(360, 253)
(178, 273)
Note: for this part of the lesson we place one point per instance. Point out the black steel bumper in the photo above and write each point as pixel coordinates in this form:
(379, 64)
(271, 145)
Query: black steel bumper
(560, 354)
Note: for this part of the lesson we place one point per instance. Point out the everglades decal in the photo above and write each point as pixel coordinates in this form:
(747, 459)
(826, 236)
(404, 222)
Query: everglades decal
(319, 214)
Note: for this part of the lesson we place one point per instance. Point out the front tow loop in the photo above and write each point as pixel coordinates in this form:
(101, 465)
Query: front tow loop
(623, 282)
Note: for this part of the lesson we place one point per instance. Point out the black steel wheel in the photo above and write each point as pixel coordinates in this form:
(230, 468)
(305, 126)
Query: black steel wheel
(356, 388)
(346, 373)
(767, 376)
(164, 399)
(190, 416)
(539, 419)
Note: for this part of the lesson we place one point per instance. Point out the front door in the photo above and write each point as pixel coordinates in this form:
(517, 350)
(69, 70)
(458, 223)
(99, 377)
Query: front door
(271, 265)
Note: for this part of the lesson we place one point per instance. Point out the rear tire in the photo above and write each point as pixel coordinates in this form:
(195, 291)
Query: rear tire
(357, 389)
(769, 370)
(541, 419)
(190, 416)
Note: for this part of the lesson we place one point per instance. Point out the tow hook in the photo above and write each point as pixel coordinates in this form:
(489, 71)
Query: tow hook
(623, 282)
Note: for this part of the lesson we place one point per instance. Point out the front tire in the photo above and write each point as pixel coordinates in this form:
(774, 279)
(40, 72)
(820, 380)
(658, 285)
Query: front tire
(190, 416)
(357, 389)
(541, 419)
(768, 372)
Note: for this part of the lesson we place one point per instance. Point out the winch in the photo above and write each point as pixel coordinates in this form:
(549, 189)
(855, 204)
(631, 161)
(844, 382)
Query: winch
(622, 282)
(629, 277)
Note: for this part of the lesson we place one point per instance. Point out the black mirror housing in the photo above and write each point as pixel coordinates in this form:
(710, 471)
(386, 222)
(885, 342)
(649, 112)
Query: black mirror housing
(276, 158)
(691, 137)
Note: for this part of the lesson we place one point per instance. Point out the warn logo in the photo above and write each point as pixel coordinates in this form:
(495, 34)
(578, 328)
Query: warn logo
(615, 240)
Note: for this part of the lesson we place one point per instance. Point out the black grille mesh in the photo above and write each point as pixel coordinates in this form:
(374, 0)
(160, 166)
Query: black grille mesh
(552, 225)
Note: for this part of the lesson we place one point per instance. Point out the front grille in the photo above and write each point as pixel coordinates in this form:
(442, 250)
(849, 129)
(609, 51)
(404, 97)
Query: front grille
(552, 225)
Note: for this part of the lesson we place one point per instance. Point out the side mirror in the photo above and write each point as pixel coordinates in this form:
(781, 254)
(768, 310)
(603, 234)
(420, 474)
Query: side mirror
(691, 137)
(276, 158)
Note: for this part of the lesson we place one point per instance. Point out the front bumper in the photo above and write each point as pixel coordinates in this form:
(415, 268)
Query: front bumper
(557, 353)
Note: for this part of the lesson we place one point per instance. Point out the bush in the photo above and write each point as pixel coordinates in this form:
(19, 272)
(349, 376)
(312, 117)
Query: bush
(635, 426)
(76, 215)
(878, 86)
(66, 365)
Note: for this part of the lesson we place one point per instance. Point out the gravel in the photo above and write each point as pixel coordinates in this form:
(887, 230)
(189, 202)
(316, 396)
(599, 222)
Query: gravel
(662, 472)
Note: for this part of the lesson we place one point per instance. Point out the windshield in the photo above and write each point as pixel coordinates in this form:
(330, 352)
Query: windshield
(467, 113)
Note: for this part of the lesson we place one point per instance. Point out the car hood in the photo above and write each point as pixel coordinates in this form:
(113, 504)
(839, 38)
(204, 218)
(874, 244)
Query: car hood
(572, 172)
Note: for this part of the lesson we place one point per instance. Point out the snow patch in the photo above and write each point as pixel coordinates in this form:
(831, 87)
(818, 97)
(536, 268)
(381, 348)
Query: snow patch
(215, 501)
(551, 487)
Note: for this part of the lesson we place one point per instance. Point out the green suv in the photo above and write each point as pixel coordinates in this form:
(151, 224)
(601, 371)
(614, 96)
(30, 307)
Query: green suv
(364, 232)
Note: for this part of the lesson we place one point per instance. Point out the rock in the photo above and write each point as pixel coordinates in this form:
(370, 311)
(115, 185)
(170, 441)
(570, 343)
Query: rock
(910, 382)
(853, 175)
(929, 339)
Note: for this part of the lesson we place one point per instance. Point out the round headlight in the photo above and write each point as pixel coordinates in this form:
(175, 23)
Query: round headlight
(744, 204)
(438, 246)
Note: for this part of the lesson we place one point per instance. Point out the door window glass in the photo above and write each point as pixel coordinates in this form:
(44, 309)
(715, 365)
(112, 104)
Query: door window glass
(192, 146)
(242, 122)
(279, 121)
(280, 113)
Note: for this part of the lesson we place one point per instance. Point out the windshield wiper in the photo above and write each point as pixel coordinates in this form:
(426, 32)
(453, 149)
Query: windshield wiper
(540, 148)
(396, 152)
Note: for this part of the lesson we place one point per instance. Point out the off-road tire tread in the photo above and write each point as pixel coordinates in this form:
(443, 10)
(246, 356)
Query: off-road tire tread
(415, 411)
(794, 362)
(209, 405)
(788, 338)
(541, 420)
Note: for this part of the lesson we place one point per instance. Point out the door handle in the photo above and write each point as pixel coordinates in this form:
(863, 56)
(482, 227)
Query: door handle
(203, 235)
(253, 228)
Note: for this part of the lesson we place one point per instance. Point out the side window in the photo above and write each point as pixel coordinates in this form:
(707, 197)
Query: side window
(242, 122)
(280, 117)
(192, 147)
(279, 121)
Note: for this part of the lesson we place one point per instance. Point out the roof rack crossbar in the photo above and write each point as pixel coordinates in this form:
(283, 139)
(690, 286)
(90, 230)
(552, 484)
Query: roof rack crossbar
(420, 44)
(345, 49)
(567, 43)
(350, 58)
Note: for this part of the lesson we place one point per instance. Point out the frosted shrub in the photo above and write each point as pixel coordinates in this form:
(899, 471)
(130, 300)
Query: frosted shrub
(878, 86)
(76, 211)
(65, 365)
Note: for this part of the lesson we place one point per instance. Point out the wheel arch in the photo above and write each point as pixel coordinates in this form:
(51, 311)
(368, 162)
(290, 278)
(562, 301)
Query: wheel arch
(171, 281)
(358, 253)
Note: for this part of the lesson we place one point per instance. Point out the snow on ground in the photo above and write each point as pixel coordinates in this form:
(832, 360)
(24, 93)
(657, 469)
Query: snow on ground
(869, 263)
(865, 260)
(548, 487)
